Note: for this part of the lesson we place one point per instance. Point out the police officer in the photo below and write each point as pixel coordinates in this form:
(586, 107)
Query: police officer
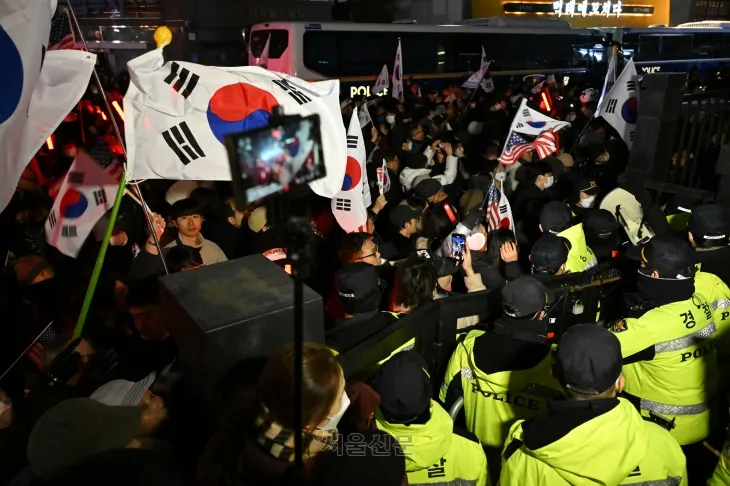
(721, 476)
(591, 437)
(556, 218)
(583, 197)
(670, 362)
(504, 374)
(549, 255)
(435, 452)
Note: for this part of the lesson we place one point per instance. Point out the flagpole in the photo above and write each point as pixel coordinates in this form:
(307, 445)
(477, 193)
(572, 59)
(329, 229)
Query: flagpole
(117, 132)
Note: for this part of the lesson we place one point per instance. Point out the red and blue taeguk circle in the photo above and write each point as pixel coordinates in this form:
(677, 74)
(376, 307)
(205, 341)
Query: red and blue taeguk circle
(239, 107)
(12, 82)
(73, 204)
(629, 111)
(353, 174)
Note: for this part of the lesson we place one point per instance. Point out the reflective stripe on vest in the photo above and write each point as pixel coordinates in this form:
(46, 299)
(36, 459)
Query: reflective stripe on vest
(666, 409)
(721, 304)
(672, 481)
(686, 341)
(453, 482)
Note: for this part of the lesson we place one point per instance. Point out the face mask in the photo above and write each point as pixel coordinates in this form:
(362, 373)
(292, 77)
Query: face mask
(549, 182)
(588, 202)
(500, 176)
(390, 119)
(335, 420)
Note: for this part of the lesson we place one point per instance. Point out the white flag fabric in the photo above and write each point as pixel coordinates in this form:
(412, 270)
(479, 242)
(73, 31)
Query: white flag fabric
(538, 87)
(37, 88)
(264, 59)
(363, 116)
(476, 78)
(531, 122)
(382, 83)
(398, 75)
(87, 193)
(348, 205)
(177, 113)
(620, 106)
(608, 82)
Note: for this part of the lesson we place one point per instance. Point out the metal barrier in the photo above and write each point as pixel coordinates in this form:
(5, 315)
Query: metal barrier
(704, 128)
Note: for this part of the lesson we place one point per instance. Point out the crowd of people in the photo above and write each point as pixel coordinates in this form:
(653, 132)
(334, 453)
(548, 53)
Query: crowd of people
(639, 397)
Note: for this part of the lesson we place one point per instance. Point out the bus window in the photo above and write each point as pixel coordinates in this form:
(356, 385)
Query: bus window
(629, 46)
(321, 52)
(279, 42)
(361, 53)
(463, 53)
(676, 47)
(707, 46)
(420, 53)
(725, 45)
(648, 48)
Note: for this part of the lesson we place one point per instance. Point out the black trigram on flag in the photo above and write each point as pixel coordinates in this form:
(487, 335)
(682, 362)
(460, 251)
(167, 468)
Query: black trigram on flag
(526, 113)
(100, 197)
(630, 85)
(503, 209)
(352, 141)
(292, 91)
(631, 135)
(182, 79)
(52, 219)
(611, 107)
(181, 140)
(343, 204)
(68, 232)
(76, 177)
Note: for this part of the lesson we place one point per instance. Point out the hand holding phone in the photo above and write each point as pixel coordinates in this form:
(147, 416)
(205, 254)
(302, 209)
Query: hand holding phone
(458, 243)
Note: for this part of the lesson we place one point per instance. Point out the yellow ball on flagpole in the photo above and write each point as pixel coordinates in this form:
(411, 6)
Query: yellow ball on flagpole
(163, 36)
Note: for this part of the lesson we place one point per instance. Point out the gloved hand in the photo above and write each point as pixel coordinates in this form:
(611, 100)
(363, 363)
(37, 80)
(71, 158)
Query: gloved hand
(475, 216)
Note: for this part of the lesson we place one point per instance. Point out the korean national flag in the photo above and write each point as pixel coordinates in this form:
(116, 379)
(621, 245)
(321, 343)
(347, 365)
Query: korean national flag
(531, 122)
(620, 105)
(86, 195)
(349, 205)
(177, 113)
(37, 88)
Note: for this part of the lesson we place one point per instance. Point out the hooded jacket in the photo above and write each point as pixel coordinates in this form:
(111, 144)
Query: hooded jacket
(435, 454)
(600, 442)
(408, 175)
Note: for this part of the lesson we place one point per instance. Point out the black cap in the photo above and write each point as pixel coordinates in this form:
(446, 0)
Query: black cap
(667, 253)
(555, 217)
(443, 266)
(403, 213)
(588, 359)
(357, 280)
(556, 165)
(710, 220)
(550, 252)
(587, 185)
(525, 296)
(404, 387)
(427, 188)
(600, 223)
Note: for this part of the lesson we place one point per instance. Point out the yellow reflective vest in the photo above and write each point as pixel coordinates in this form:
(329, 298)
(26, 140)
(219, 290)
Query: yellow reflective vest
(492, 402)
(718, 293)
(680, 382)
(616, 447)
(580, 257)
(721, 477)
(435, 454)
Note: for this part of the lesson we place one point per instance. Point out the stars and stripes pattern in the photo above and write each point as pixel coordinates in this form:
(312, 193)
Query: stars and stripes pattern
(62, 35)
(499, 211)
(517, 145)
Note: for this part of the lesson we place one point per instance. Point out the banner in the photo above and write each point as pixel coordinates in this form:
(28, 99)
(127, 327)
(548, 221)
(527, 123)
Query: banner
(37, 88)
(382, 83)
(348, 204)
(86, 195)
(620, 107)
(398, 75)
(177, 114)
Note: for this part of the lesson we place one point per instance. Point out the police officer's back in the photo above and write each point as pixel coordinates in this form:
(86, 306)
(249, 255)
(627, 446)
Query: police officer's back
(709, 229)
(591, 437)
(504, 374)
(556, 218)
(670, 362)
(435, 452)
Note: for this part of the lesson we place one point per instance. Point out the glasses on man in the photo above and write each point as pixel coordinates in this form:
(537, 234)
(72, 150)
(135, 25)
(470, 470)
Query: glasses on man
(374, 253)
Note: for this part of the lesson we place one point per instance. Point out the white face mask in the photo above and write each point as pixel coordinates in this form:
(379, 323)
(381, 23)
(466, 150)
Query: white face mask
(588, 202)
(335, 420)
(549, 182)
(390, 119)
(500, 176)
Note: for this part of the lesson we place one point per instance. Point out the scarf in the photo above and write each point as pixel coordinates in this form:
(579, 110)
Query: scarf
(279, 441)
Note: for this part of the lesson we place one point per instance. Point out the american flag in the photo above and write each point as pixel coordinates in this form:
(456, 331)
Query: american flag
(499, 212)
(62, 35)
(517, 145)
(101, 152)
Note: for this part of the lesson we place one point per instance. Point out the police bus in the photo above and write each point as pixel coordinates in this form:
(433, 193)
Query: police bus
(433, 56)
(699, 48)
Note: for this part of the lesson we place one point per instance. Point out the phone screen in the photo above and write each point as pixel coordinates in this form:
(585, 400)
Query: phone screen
(275, 159)
(457, 246)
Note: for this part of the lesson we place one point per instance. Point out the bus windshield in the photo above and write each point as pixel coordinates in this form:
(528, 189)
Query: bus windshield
(279, 42)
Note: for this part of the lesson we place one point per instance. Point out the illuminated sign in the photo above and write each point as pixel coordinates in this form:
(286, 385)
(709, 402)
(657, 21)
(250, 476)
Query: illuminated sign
(651, 69)
(364, 91)
(585, 8)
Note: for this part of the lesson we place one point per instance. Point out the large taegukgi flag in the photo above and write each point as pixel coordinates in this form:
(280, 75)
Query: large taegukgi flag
(37, 87)
(349, 205)
(177, 114)
(621, 104)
